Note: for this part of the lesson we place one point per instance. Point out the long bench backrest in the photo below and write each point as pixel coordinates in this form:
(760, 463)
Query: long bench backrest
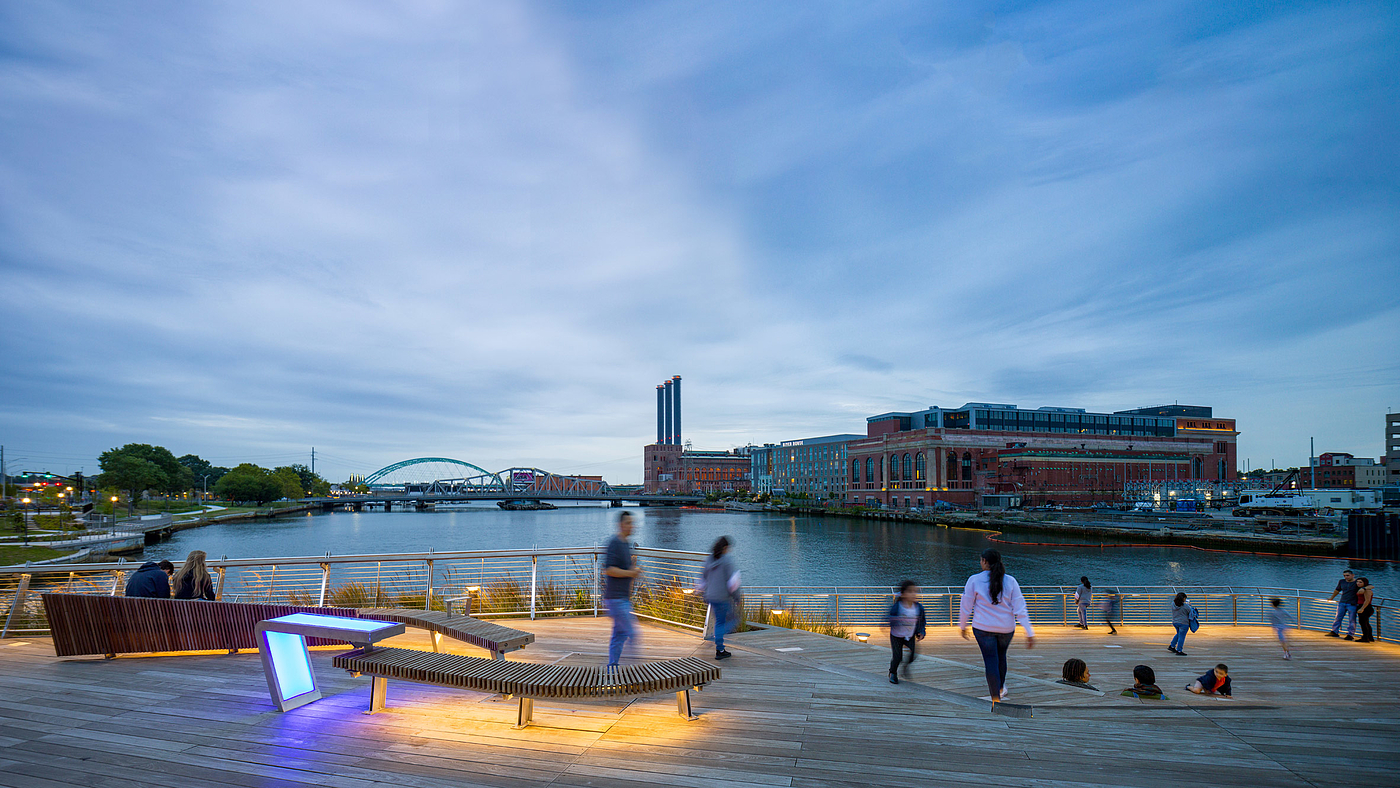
(100, 624)
(484, 634)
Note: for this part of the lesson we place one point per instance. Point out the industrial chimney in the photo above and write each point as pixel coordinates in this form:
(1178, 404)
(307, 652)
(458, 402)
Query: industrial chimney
(670, 431)
(676, 405)
(660, 414)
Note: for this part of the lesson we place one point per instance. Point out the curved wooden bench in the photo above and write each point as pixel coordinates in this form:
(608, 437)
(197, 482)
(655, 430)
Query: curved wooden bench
(527, 680)
(484, 634)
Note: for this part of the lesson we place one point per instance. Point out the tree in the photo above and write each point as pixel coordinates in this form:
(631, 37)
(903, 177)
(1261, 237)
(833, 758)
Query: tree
(200, 468)
(311, 482)
(138, 467)
(289, 483)
(248, 482)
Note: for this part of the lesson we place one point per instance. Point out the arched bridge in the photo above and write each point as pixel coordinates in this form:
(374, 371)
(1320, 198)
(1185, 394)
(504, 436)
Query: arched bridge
(443, 479)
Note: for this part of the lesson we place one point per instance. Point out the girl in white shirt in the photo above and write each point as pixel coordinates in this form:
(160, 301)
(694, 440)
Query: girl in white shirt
(992, 601)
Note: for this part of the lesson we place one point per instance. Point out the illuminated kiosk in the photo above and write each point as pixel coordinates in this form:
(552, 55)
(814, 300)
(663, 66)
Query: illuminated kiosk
(287, 663)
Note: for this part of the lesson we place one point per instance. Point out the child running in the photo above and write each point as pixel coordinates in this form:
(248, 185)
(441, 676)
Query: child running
(907, 626)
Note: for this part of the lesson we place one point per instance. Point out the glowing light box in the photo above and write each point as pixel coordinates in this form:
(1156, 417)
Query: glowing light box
(286, 661)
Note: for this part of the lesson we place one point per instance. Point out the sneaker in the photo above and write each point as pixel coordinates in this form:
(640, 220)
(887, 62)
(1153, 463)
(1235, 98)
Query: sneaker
(1365, 640)
(893, 678)
(1005, 693)
(990, 698)
(1172, 650)
(1348, 637)
(722, 655)
(1181, 654)
(1288, 656)
(1333, 635)
(904, 671)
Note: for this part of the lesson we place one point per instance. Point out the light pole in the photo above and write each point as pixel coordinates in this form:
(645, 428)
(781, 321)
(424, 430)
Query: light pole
(24, 522)
(114, 511)
(60, 511)
(205, 500)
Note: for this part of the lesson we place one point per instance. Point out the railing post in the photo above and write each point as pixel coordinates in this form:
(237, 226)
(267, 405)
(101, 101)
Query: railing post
(21, 591)
(1235, 608)
(271, 581)
(428, 594)
(325, 577)
(534, 562)
(1299, 619)
(597, 587)
(117, 577)
(219, 591)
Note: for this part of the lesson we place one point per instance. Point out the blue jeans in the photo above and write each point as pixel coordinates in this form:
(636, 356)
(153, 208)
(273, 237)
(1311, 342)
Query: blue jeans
(1179, 642)
(1084, 614)
(721, 620)
(624, 628)
(993, 646)
(1343, 611)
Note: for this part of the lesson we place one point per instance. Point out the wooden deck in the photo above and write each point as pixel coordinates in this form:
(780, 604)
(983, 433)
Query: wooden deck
(823, 716)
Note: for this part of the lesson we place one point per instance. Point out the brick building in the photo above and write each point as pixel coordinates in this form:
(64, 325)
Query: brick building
(1062, 455)
(1338, 469)
(672, 468)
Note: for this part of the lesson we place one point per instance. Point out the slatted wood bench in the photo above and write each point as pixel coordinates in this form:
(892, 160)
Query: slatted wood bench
(493, 637)
(527, 681)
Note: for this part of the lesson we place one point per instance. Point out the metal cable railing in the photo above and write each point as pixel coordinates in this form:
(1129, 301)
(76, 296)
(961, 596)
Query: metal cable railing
(567, 581)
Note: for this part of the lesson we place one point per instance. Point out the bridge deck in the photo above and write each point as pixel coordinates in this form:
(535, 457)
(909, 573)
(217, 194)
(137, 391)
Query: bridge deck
(821, 717)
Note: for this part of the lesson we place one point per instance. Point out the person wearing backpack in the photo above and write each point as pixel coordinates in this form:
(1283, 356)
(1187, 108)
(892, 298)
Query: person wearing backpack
(1184, 618)
(719, 583)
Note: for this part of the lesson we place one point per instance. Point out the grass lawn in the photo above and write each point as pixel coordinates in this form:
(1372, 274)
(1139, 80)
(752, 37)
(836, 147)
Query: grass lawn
(18, 554)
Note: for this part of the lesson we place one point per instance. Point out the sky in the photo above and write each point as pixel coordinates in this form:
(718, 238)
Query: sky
(487, 230)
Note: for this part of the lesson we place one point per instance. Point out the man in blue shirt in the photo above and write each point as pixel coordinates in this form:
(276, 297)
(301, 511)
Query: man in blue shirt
(619, 570)
(1346, 607)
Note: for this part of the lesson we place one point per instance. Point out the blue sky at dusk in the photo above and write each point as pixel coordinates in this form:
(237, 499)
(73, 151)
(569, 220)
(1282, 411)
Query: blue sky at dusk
(487, 230)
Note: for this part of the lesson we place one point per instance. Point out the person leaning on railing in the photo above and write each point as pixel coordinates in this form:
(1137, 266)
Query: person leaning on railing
(193, 580)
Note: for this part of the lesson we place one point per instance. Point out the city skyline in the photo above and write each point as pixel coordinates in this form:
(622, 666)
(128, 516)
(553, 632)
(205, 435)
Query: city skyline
(485, 231)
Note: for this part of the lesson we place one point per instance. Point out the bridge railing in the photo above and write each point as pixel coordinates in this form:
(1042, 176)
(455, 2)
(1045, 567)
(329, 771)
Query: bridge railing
(567, 582)
(493, 583)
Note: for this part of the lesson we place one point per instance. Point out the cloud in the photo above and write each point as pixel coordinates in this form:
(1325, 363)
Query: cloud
(486, 230)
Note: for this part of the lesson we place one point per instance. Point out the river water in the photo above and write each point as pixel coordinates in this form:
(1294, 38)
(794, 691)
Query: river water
(773, 549)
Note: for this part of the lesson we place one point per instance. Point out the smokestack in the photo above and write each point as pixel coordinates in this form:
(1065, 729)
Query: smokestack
(670, 432)
(676, 395)
(660, 414)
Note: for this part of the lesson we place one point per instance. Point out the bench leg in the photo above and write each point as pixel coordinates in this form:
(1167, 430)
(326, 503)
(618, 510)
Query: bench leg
(498, 655)
(683, 705)
(525, 713)
(378, 694)
(437, 640)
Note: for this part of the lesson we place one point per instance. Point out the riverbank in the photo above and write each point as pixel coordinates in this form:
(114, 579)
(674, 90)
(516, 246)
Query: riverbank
(1157, 529)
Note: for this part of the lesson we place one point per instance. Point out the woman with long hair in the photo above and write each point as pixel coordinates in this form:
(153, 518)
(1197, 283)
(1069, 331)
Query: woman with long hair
(1365, 594)
(719, 582)
(193, 580)
(1182, 613)
(992, 602)
(1082, 595)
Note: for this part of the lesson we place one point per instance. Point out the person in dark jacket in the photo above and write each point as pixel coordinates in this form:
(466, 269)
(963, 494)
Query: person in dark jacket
(907, 626)
(193, 580)
(1144, 685)
(1214, 682)
(149, 581)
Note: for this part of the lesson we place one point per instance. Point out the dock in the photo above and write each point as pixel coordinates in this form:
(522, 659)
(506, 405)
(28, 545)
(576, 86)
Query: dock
(792, 709)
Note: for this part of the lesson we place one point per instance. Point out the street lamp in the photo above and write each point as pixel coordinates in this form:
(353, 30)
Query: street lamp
(114, 510)
(24, 521)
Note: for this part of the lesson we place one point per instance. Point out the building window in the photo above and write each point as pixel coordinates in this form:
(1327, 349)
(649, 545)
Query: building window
(919, 469)
(1220, 471)
(908, 469)
(894, 467)
(967, 467)
(950, 469)
(1196, 468)
(855, 471)
(870, 469)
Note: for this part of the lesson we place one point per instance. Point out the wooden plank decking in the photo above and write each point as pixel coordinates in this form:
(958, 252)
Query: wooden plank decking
(821, 717)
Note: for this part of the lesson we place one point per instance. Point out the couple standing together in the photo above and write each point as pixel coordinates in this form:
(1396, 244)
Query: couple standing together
(991, 603)
(719, 583)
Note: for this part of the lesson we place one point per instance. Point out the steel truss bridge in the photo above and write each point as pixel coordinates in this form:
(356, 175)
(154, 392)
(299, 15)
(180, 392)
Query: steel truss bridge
(442, 479)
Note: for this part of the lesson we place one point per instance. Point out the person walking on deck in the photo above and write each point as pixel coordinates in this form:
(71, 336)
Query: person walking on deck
(1281, 621)
(1109, 608)
(1183, 615)
(619, 570)
(908, 625)
(992, 601)
(719, 582)
(1082, 595)
(1346, 606)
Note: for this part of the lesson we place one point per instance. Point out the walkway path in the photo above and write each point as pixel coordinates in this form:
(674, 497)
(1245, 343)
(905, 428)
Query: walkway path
(821, 717)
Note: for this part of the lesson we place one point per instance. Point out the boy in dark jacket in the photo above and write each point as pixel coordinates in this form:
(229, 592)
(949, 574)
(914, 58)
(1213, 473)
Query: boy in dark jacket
(149, 581)
(1144, 684)
(907, 625)
(1214, 682)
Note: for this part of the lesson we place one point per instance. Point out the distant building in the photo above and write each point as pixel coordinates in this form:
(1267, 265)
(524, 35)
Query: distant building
(814, 467)
(1392, 448)
(670, 468)
(1064, 455)
(1336, 470)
